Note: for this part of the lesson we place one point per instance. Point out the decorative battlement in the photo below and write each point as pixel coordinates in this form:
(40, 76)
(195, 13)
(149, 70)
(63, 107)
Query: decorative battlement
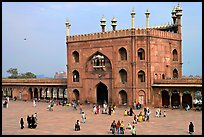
(123, 33)
(100, 35)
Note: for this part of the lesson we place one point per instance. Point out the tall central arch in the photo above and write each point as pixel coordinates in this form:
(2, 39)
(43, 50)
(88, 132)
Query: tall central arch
(101, 93)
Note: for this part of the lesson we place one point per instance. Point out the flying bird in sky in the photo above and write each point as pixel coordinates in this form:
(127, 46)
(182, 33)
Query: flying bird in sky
(24, 38)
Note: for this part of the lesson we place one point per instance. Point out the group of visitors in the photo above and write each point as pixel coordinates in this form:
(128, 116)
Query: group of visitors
(96, 109)
(117, 127)
(129, 113)
(137, 105)
(31, 121)
(159, 113)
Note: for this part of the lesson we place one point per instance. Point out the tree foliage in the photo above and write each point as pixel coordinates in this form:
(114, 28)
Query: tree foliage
(14, 74)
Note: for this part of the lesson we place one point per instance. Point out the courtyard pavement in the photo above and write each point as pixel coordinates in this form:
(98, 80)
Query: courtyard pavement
(61, 121)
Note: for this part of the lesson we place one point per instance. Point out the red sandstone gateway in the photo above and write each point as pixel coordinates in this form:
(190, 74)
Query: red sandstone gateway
(119, 67)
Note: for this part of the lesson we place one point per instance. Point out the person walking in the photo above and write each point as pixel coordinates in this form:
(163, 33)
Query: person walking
(191, 128)
(133, 130)
(77, 126)
(34, 103)
(22, 123)
(113, 127)
(80, 108)
(83, 117)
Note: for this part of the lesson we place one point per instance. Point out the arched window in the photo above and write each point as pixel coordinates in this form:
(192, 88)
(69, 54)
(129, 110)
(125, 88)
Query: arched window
(141, 76)
(75, 76)
(76, 56)
(123, 75)
(175, 73)
(141, 54)
(175, 55)
(123, 54)
(163, 76)
(98, 61)
(156, 76)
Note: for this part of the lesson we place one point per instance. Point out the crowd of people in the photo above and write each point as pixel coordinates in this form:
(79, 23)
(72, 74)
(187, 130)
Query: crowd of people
(115, 128)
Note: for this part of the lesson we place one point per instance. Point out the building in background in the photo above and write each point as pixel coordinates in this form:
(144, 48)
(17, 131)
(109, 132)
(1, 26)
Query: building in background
(61, 74)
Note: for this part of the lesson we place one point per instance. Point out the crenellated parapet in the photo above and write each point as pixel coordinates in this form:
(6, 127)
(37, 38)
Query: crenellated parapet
(100, 35)
(122, 33)
(164, 34)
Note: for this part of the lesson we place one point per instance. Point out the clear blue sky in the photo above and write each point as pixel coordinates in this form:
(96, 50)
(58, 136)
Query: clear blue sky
(43, 26)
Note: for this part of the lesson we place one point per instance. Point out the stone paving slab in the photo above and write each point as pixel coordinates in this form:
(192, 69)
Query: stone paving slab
(61, 121)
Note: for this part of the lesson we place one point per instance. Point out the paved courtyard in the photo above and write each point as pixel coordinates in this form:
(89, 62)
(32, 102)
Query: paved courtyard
(61, 121)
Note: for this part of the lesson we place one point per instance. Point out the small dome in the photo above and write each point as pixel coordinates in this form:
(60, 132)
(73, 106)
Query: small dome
(103, 19)
(147, 12)
(114, 20)
(178, 8)
(173, 10)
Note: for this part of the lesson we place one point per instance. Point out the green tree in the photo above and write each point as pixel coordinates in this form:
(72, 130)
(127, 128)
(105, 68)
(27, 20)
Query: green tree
(13, 72)
(29, 75)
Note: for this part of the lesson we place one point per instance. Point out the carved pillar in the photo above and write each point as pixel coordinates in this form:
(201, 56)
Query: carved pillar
(181, 95)
(192, 96)
(170, 94)
(33, 91)
(38, 94)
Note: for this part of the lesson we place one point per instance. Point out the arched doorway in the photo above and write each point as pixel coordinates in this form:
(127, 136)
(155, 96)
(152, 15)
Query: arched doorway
(142, 97)
(175, 99)
(101, 93)
(122, 97)
(35, 93)
(30, 92)
(76, 94)
(165, 98)
(187, 99)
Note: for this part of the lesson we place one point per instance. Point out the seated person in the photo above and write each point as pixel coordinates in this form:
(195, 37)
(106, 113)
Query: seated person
(125, 113)
(129, 126)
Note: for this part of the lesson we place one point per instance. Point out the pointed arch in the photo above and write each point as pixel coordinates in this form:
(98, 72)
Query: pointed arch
(175, 55)
(123, 97)
(76, 94)
(141, 54)
(175, 73)
(123, 75)
(75, 55)
(101, 93)
(75, 76)
(141, 76)
(123, 53)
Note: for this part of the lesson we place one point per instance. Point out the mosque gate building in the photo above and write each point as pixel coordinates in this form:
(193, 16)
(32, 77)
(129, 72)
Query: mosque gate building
(131, 65)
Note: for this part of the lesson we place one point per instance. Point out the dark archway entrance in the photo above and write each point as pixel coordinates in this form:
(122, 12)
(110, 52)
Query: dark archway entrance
(175, 100)
(35, 93)
(76, 94)
(187, 99)
(165, 98)
(30, 92)
(122, 97)
(102, 93)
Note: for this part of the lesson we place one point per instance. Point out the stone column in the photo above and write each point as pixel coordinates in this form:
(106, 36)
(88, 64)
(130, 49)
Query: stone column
(38, 94)
(181, 95)
(33, 91)
(170, 94)
(193, 96)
